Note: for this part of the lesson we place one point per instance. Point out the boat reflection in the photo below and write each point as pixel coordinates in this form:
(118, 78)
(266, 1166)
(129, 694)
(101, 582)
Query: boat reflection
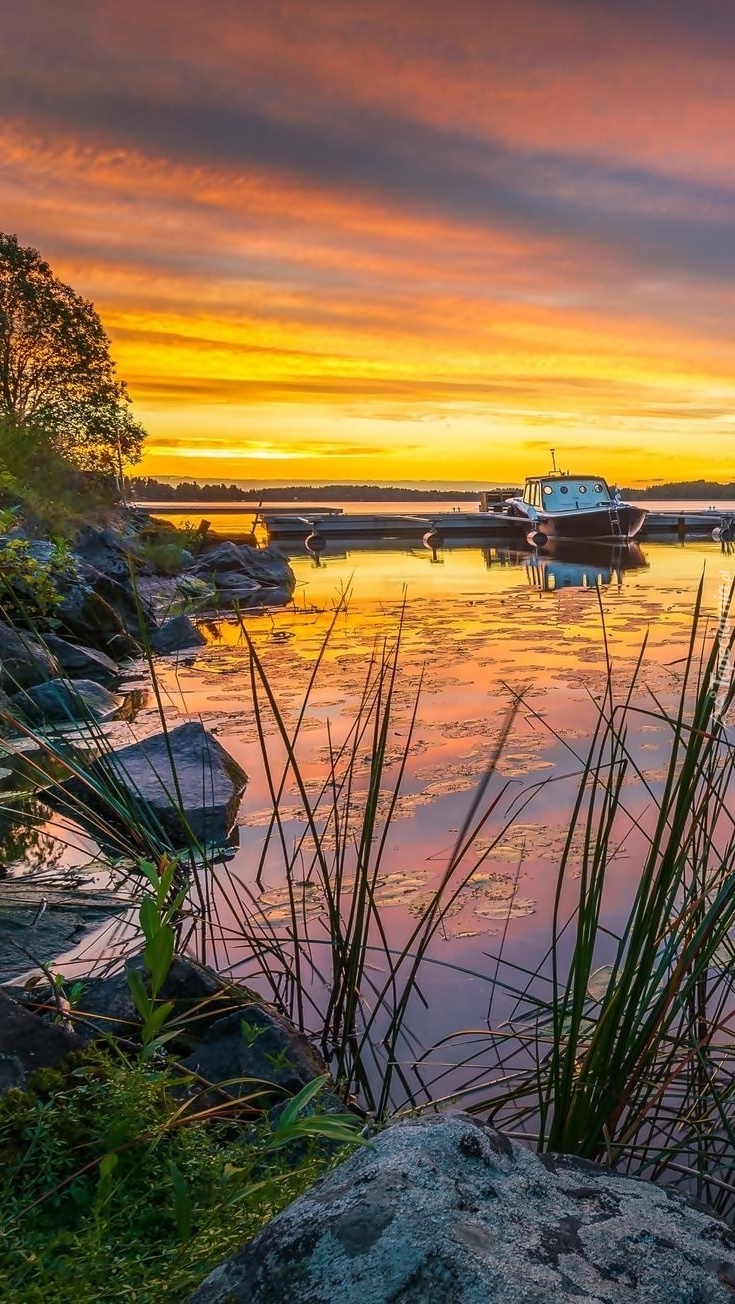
(560, 564)
(582, 565)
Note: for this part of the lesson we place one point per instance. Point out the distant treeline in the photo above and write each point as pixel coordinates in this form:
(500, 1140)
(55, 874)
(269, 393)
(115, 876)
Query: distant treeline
(148, 490)
(710, 489)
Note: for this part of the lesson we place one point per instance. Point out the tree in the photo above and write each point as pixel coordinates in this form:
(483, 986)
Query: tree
(56, 372)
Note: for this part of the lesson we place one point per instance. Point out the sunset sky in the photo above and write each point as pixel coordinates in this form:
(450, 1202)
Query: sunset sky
(403, 241)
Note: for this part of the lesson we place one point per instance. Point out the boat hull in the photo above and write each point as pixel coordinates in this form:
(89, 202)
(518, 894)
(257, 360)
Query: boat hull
(598, 523)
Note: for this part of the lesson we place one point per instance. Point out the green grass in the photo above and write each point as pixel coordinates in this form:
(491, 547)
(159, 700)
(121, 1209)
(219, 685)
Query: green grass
(108, 1193)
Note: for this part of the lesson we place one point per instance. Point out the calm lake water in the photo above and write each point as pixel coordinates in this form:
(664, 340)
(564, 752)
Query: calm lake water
(484, 628)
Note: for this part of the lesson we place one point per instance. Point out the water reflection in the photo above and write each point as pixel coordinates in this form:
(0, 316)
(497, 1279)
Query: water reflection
(582, 565)
(480, 628)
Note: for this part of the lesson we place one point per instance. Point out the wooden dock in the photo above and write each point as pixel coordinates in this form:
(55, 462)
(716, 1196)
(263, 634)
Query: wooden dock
(291, 525)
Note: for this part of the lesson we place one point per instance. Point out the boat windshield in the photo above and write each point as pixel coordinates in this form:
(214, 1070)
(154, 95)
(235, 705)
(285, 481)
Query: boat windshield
(567, 493)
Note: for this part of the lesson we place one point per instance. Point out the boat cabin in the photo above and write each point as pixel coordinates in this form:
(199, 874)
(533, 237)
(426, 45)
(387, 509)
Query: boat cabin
(566, 493)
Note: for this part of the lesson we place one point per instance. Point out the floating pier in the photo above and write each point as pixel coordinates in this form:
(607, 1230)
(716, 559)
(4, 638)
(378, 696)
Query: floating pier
(291, 529)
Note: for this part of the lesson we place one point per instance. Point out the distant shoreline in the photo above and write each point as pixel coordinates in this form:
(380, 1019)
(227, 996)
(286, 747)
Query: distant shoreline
(159, 491)
(147, 489)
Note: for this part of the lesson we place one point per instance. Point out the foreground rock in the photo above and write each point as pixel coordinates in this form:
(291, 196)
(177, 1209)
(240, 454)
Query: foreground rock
(179, 634)
(206, 783)
(225, 1035)
(231, 565)
(27, 1044)
(84, 616)
(449, 1212)
(61, 701)
(23, 662)
(254, 1044)
(79, 662)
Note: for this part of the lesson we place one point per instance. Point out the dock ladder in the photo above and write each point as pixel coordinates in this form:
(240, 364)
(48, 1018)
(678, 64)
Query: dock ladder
(615, 529)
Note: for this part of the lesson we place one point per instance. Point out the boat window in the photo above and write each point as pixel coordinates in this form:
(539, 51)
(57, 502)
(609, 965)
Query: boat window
(582, 488)
(563, 488)
(548, 489)
(599, 489)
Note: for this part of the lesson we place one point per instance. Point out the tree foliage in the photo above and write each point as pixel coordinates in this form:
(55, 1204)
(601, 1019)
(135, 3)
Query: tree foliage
(56, 372)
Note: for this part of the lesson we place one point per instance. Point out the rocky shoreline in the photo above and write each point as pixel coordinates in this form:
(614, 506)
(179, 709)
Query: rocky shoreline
(123, 593)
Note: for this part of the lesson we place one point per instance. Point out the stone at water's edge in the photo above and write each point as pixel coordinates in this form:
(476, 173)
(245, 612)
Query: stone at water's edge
(179, 634)
(23, 662)
(262, 565)
(79, 662)
(209, 780)
(63, 701)
(225, 1034)
(447, 1211)
(85, 616)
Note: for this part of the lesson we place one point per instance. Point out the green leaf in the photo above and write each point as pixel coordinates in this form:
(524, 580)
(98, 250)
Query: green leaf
(299, 1102)
(108, 1164)
(142, 1000)
(182, 1202)
(150, 920)
(118, 1132)
(148, 868)
(158, 955)
(156, 1020)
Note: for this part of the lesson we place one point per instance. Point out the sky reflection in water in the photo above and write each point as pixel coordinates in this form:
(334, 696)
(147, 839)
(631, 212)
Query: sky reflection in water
(482, 631)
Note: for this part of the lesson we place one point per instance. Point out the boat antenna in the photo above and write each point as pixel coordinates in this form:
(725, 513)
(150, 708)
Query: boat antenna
(553, 459)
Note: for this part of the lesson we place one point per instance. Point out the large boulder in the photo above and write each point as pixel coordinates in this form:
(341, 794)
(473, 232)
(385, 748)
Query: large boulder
(85, 616)
(28, 1043)
(79, 662)
(124, 595)
(61, 701)
(200, 998)
(254, 1043)
(225, 1034)
(265, 566)
(447, 1211)
(109, 552)
(23, 661)
(184, 779)
(179, 634)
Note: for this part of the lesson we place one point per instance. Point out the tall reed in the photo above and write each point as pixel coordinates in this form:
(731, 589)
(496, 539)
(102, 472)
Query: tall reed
(631, 1063)
(341, 977)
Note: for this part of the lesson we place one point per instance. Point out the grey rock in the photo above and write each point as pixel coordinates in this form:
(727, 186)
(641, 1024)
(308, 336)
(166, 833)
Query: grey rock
(271, 596)
(23, 662)
(79, 662)
(177, 635)
(196, 590)
(234, 582)
(108, 551)
(84, 615)
(63, 701)
(200, 996)
(28, 1043)
(255, 1045)
(225, 1033)
(124, 596)
(224, 556)
(447, 1211)
(42, 551)
(209, 780)
(263, 565)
